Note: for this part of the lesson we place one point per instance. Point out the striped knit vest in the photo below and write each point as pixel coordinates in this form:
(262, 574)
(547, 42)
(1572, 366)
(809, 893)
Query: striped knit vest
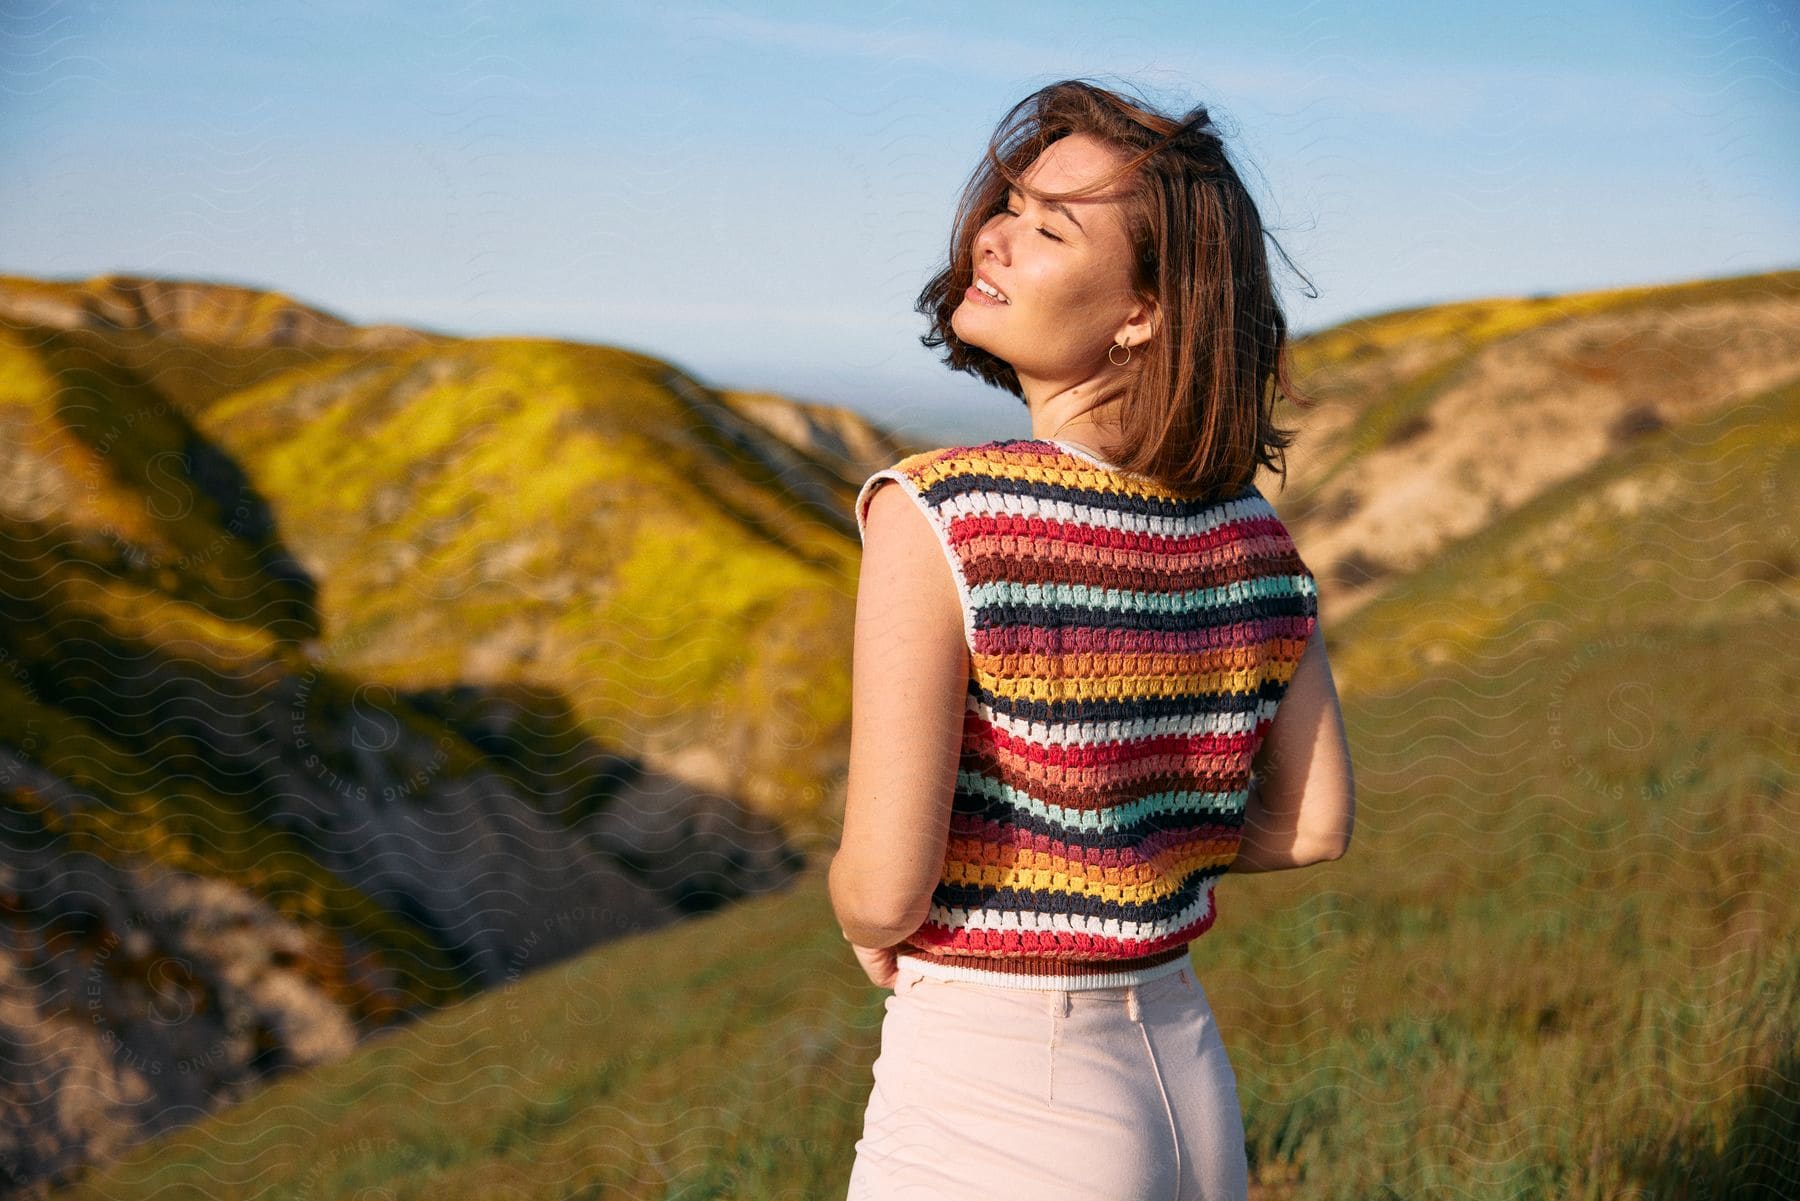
(1127, 651)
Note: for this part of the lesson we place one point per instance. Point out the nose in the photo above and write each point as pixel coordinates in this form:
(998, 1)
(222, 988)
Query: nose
(992, 240)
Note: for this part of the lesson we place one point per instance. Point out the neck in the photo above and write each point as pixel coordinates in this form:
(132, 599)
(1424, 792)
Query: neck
(1071, 414)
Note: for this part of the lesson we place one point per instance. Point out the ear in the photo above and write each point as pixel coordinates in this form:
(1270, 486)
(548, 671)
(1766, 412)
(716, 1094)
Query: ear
(1144, 323)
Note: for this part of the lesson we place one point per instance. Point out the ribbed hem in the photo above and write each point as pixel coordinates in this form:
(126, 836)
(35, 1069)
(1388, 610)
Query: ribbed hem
(1047, 974)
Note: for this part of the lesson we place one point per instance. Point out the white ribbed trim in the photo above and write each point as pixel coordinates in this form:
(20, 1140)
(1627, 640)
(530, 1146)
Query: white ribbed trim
(973, 975)
(1088, 455)
(938, 522)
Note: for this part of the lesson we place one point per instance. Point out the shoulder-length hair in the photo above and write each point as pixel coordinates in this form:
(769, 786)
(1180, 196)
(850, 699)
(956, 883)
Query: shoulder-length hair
(1196, 401)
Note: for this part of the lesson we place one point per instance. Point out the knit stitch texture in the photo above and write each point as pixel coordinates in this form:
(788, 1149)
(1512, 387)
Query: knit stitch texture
(1127, 651)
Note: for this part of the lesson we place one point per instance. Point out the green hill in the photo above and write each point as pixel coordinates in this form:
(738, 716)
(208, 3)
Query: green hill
(1558, 962)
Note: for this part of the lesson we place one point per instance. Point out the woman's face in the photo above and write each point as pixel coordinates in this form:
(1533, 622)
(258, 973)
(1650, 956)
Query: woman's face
(1065, 272)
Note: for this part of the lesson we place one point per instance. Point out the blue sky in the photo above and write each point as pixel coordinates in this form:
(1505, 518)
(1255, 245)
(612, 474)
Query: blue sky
(757, 192)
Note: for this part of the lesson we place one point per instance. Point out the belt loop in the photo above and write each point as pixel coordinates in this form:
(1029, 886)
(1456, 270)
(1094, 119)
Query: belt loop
(1131, 1004)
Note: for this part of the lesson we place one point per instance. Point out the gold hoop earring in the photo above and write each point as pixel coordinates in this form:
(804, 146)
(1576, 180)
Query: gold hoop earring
(1113, 347)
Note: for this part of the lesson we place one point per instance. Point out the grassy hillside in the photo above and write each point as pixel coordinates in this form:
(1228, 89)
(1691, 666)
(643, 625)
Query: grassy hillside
(1559, 960)
(1436, 423)
(584, 519)
(220, 508)
(345, 672)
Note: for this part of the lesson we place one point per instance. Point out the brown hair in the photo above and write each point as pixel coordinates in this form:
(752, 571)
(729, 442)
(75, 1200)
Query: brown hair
(1197, 401)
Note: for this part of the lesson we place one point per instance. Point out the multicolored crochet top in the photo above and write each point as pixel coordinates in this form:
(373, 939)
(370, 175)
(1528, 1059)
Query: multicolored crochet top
(1127, 651)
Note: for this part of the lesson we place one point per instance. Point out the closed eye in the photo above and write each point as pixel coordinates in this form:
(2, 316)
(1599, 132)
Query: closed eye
(1040, 228)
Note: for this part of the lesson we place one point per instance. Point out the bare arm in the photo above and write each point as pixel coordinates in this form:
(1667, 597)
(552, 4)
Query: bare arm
(1303, 797)
(909, 678)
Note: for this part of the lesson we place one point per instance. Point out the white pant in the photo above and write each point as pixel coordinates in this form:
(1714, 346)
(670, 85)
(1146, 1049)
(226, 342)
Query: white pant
(994, 1094)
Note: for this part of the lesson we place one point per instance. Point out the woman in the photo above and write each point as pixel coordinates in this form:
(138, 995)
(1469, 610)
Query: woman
(1088, 678)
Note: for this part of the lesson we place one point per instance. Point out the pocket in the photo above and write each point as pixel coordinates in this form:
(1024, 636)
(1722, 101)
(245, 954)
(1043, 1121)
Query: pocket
(889, 1068)
(917, 981)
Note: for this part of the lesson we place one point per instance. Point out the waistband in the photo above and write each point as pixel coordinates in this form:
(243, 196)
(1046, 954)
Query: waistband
(1041, 980)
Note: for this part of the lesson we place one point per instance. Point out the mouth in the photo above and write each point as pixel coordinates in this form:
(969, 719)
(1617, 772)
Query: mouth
(982, 291)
